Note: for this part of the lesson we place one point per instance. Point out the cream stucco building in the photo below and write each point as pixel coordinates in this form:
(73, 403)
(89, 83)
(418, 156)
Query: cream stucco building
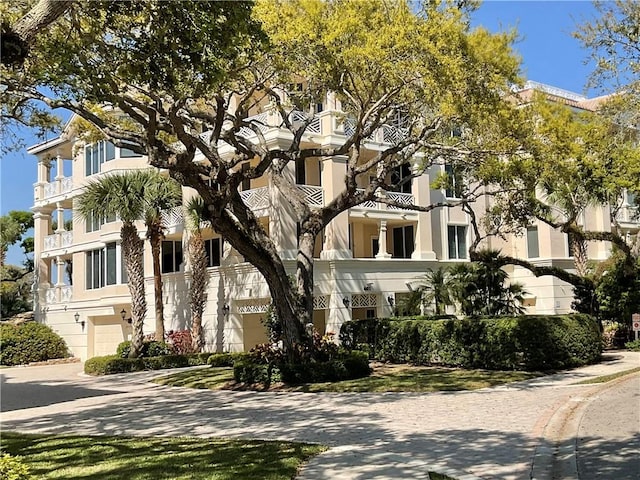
(367, 260)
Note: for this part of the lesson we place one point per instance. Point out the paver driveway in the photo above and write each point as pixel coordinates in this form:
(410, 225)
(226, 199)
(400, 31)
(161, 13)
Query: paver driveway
(491, 433)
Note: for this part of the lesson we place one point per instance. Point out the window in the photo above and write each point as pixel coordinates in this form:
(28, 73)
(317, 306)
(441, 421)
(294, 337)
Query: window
(103, 268)
(301, 171)
(401, 178)
(375, 246)
(213, 248)
(533, 248)
(96, 154)
(128, 153)
(629, 198)
(93, 222)
(457, 241)
(171, 256)
(403, 241)
(454, 182)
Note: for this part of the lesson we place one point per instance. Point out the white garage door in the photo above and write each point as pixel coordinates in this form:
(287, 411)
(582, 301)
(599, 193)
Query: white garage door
(107, 334)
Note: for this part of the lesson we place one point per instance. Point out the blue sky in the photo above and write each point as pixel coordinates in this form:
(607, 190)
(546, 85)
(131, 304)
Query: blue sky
(549, 55)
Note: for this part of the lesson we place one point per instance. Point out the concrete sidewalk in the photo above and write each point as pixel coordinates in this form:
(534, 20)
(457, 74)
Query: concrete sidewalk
(493, 433)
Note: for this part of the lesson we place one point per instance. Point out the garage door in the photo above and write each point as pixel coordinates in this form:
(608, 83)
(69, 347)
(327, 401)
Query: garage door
(107, 334)
(253, 330)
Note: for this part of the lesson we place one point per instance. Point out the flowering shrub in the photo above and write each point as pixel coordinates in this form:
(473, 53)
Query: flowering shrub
(180, 342)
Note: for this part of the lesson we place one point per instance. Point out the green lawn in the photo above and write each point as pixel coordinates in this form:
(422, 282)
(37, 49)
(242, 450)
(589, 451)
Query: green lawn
(385, 378)
(115, 458)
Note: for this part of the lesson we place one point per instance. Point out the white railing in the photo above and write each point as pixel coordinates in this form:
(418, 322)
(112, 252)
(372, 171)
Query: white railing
(50, 189)
(58, 240)
(393, 135)
(628, 214)
(66, 239)
(297, 117)
(66, 293)
(172, 217)
(66, 185)
(51, 242)
(256, 198)
(399, 198)
(51, 295)
(313, 194)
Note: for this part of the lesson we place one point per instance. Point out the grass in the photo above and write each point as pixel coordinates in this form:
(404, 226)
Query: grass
(385, 378)
(111, 458)
(439, 476)
(608, 378)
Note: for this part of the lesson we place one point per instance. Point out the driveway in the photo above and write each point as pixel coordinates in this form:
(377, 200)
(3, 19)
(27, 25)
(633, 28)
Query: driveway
(494, 433)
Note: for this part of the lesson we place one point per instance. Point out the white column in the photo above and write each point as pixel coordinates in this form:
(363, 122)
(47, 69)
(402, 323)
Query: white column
(59, 217)
(59, 168)
(382, 241)
(60, 272)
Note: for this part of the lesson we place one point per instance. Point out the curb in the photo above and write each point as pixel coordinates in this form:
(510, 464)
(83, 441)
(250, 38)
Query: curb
(556, 455)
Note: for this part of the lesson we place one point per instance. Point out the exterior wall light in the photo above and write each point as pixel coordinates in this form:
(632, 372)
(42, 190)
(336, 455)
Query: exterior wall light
(123, 314)
(391, 300)
(225, 309)
(346, 301)
(76, 316)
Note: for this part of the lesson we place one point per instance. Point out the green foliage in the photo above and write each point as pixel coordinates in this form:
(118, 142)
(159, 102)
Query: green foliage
(225, 359)
(522, 343)
(15, 290)
(29, 342)
(150, 348)
(12, 468)
(112, 364)
(618, 289)
(633, 346)
(253, 372)
(13, 226)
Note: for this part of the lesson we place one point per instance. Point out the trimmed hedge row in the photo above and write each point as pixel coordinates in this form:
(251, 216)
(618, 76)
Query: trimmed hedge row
(344, 366)
(29, 342)
(112, 364)
(518, 343)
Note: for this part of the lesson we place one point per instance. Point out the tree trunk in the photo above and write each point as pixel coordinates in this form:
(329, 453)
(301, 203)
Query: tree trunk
(155, 238)
(133, 250)
(16, 39)
(304, 283)
(578, 249)
(198, 287)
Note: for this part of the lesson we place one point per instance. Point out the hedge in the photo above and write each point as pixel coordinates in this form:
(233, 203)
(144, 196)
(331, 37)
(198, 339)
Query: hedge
(344, 366)
(29, 342)
(13, 468)
(111, 364)
(520, 343)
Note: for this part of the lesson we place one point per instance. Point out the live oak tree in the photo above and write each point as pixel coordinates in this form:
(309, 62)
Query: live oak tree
(182, 78)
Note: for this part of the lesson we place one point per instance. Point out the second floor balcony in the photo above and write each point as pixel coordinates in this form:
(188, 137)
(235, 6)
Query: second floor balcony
(58, 240)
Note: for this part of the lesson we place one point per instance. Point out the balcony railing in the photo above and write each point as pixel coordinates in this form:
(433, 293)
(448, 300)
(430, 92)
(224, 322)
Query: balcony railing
(628, 214)
(256, 198)
(173, 217)
(58, 240)
(61, 294)
(313, 194)
(402, 199)
(58, 187)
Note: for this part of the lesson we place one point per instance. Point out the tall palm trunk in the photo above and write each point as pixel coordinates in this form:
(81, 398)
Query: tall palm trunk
(578, 249)
(133, 250)
(155, 239)
(198, 287)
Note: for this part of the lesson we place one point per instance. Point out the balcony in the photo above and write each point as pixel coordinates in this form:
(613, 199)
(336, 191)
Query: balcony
(58, 240)
(256, 198)
(58, 187)
(402, 199)
(628, 216)
(60, 294)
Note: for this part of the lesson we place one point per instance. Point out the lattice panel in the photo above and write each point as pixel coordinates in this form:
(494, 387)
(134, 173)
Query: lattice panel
(50, 189)
(66, 184)
(321, 302)
(399, 198)
(50, 242)
(50, 295)
(256, 198)
(361, 300)
(314, 195)
(66, 239)
(254, 305)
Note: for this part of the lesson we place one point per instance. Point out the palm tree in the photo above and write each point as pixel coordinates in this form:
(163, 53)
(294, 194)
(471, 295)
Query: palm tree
(436, 288)
(122, 195)
(160, 193)
(194, 210)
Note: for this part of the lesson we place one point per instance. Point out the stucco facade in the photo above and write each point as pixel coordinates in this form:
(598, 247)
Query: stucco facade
(365, 261)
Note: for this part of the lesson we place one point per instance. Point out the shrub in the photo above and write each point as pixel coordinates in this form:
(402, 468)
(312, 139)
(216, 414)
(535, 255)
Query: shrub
(196, 359)
(253, 372)
(180, 342)
(633, 346)
(525, 342)
(111, 364)
(29, 342)
(345, 365)
(150, 348)
(225, 359)
(12, 468)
